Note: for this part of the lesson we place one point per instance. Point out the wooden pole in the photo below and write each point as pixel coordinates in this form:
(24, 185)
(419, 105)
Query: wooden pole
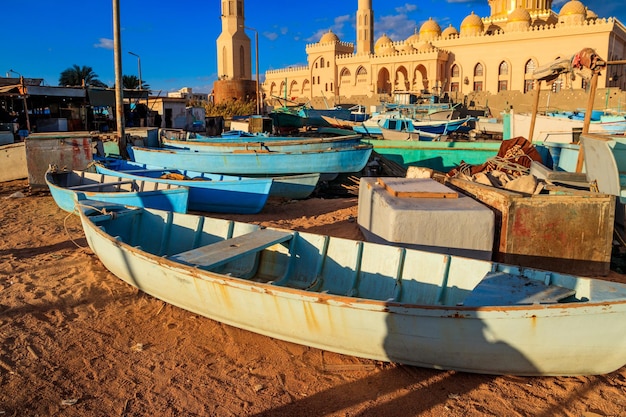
(592, 95)
(534, 115)
(119, 87)
(590, 101)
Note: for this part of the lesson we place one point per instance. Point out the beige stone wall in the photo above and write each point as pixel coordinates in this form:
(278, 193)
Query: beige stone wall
(349, 77)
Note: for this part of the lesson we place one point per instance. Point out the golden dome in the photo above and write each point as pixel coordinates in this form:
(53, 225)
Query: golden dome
(430, 27)
(591, 14)
(383, 40)
(519, 15)
(472, 21)
(384, 45)
(426, 47)
(414, 38)
(449, 31)
(573, 7)
(329, 37)
(408, 47)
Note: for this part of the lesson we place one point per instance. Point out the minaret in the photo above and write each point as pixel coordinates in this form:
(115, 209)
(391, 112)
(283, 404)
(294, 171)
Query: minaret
(234, 57)
(365, 28)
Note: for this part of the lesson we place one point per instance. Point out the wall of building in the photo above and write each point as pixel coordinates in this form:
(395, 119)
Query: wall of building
(426, 63)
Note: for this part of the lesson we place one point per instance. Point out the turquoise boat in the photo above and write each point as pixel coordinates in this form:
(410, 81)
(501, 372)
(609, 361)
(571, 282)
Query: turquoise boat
(364, 299)
(258, 162)
(207, 192)
(65, 185)
(437, 155)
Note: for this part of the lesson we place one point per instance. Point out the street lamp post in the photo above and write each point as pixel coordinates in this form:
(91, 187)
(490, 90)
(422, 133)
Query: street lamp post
(138, 68)
(256, 53)
(24, 97)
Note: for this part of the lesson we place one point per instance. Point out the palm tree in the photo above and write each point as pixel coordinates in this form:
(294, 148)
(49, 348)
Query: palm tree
(131, 82)
(79, 76)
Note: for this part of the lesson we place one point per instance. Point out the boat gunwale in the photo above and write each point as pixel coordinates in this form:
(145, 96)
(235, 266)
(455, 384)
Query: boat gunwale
(386, 306)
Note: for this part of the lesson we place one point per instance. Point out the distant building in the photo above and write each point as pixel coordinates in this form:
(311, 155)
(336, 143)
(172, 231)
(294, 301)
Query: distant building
(188, 94)
(490, 54)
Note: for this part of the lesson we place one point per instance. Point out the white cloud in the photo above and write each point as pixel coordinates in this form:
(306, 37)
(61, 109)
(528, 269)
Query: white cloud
(406, 8)
(104, 43)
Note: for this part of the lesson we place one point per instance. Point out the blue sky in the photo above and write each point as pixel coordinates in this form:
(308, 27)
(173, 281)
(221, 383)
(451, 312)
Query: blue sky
(177, 40)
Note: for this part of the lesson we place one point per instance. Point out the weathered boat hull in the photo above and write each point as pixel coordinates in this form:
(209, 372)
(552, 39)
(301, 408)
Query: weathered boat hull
(268, 144)
(438, 155)
(345, 159)
(65, 185)
(557, 129)
(207, 192)
(404, 313)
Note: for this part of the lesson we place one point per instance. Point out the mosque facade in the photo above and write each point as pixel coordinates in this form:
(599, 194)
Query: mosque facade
(492, 54)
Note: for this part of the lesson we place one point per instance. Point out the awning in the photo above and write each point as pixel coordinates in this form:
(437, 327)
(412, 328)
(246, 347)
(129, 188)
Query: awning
(15, 88)
(101, 97)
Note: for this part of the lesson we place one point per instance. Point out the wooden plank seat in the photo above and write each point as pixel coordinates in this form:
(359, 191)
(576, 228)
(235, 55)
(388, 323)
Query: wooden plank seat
(502, 289)
(222, 252)
(98, 185)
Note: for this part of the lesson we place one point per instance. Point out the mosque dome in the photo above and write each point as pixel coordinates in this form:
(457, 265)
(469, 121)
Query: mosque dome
(449, 31)
(413, 39)
(472, 25)
(519, 15)
(573, 7)
(384, 44)
(426, 47)
(591, 15)
(573, 13)
(408, 47)
(329, 37)
(430, 29)
(472, 21)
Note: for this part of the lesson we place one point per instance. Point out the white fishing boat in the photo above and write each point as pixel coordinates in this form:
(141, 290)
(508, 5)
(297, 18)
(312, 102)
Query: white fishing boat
(364, 299)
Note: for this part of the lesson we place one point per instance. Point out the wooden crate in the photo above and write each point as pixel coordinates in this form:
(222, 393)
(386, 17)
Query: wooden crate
(565, 230)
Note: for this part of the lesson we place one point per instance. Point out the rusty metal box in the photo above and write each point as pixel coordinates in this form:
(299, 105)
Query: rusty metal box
(70, 150)
(562, 229)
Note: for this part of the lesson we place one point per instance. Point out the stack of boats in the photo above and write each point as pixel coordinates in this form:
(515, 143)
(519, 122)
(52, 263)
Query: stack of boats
(406, 123)
(234, 173)
(371, 300)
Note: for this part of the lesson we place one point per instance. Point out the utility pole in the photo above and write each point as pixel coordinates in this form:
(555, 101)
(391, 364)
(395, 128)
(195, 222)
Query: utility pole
(119, 88)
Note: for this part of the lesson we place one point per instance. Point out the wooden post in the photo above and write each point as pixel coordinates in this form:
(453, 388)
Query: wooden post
(592, 95)
(534, 115)
(119, 87)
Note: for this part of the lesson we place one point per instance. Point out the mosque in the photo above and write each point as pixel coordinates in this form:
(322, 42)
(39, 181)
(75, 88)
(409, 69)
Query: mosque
(494, 54)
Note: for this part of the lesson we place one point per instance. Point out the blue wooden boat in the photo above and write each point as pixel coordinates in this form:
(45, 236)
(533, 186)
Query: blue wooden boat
(257, 162)
(313, 117)
(207, 192)
(365, 299)
(405, 128)
(234, 142)
(64, 185)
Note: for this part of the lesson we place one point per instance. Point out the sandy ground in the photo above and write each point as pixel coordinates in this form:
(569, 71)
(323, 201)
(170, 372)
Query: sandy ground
(76, 341)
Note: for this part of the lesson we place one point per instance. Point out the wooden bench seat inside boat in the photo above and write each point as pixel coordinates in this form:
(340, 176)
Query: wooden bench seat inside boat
(219, 253)
(98, 185)
(502, 289)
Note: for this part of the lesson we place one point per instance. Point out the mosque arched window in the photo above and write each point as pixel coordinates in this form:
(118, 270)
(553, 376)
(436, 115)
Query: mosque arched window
(503, 69)
(529, 69)
(478, 70)
(455, 71)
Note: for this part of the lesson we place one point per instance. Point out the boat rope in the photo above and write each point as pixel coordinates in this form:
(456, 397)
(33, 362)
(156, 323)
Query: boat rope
(78, 206)
(67, 232)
